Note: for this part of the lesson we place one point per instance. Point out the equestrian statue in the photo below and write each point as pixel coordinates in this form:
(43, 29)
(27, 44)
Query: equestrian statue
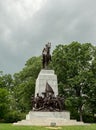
(46, 56)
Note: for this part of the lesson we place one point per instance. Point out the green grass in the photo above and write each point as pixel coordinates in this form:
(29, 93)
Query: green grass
(13, 127)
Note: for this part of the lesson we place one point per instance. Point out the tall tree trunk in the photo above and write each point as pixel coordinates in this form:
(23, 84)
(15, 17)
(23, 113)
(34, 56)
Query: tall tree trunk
(80, 113)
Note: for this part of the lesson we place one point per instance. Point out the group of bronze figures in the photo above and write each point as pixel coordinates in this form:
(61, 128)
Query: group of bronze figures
(48, 102)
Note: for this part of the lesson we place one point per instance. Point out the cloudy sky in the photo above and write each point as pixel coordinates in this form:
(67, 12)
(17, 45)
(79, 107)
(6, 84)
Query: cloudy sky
(27, 25)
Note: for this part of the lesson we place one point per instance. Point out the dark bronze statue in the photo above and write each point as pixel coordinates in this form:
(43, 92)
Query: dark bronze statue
(46, 57)
(48, 102)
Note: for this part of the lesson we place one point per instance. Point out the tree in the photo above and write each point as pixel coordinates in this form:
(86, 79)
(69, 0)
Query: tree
(24, 83)
(72, 64)
(6, 81)
(92, 84)
(4, 102)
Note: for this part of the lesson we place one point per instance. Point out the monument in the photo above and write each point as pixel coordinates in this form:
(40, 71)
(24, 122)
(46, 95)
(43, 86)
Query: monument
(48, 107)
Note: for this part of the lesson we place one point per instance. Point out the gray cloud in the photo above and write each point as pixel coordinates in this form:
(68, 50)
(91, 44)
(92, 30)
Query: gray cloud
(25, 30)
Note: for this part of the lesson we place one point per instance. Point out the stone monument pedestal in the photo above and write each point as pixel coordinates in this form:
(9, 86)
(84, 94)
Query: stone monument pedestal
(44, 77)
(41, 118)
(39, 114)
(37, 118)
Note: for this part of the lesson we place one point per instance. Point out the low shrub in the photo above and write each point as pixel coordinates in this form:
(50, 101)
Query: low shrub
(14, 116)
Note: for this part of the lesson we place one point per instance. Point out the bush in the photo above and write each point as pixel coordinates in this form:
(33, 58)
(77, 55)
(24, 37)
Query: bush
(14, 116)
(89, 118)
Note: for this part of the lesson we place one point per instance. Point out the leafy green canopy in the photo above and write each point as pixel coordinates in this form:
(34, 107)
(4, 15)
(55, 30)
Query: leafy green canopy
(75, 65)
(24, 83)
(4, 102)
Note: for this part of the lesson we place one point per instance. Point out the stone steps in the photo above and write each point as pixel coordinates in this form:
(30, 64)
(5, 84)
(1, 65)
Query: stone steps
(48, 119)
(48, 122)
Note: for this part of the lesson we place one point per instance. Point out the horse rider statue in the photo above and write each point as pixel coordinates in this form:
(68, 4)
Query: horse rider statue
(46, 57)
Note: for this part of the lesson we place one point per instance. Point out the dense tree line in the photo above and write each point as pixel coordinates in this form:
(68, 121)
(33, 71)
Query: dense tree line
(75, 66)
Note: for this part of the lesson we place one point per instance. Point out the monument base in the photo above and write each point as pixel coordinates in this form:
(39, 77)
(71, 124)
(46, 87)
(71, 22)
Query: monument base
(45, 118)
(39, 114)
(35, 118)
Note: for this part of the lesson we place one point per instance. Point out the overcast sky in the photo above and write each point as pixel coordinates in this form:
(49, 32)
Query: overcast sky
(27, 25)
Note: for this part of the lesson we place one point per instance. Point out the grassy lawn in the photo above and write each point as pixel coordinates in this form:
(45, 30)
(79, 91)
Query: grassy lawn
(12, 127)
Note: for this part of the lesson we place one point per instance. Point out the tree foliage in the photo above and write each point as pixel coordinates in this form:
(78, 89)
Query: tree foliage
(73, 64)
(24, 83)
(4, 102)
